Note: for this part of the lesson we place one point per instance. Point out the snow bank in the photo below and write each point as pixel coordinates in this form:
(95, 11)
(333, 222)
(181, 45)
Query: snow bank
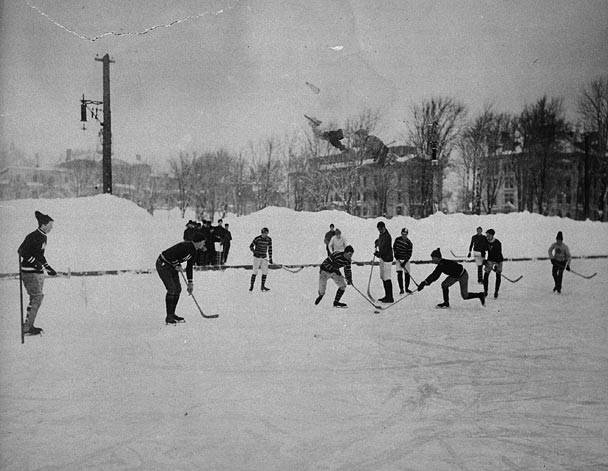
(105, 232)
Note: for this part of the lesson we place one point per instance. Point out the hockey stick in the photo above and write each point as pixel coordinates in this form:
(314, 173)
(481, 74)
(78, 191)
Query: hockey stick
(509, 279)
(297, 270)
(587, 277)
(457, 256)
(369, 282)
(366, 298)
(21, 298)
(206, 316)
(409, 273)
(383, 308)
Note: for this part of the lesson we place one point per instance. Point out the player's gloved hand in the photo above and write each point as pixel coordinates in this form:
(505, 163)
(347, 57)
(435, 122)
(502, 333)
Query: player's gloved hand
(568, 267)
(349, 282)
(50, 271)
(469, 255)
(190, 287)
(377, 254)
(421, 285)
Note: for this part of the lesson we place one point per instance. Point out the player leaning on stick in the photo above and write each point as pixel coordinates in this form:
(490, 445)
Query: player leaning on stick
(169, 263)
(402, 249)
(559, 254)
(384, 251)
(32, 263)
(456, 274)
(261, 247)
(479, 246)
(330, 268)
(493, 262)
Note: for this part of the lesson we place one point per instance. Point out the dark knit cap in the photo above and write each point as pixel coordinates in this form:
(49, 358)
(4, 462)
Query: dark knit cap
(380, 224)
(42, 218)
(198, 236)
(490, 231)
(349, 248)
(436, 253)
(560, 236)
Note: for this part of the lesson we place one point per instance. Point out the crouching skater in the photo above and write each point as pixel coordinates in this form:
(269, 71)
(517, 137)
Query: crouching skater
(455, 273)
(330, 268)
(168, 265)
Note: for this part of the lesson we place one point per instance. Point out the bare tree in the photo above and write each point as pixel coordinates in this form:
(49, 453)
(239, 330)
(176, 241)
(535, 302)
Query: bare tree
(541, 126)
(434, 131)
(266, 171)
(181, 169)
(593, 108)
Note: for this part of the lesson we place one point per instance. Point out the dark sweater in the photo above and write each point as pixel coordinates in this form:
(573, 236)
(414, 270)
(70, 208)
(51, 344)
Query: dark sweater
(179, 253)
(32, 252)
(447, 267)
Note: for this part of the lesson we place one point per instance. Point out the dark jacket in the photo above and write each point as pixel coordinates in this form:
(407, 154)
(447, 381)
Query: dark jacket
(495, 251)
(32, 252)
(179, 253)
(402, 248)
(447, 267)
(328, 236)
(334, 262)
(384, 248)
(479, 243)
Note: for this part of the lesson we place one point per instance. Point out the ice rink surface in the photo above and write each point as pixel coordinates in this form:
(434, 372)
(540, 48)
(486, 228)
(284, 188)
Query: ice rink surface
(277, 383)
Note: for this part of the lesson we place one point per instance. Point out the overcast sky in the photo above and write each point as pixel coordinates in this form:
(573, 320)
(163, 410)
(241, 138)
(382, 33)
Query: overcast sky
(235, 71)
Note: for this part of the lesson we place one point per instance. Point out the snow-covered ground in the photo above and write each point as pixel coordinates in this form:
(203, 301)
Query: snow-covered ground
(276, 383)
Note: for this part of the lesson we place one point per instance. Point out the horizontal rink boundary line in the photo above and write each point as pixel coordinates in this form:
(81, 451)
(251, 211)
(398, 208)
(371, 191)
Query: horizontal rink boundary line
(275, 266)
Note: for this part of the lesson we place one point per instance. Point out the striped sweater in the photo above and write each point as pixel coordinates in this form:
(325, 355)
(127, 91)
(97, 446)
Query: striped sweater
(402, 248)
(32, 252)
(334, 262)
(261, 246)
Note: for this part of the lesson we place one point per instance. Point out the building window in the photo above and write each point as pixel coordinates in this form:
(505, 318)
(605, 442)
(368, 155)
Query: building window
(399, 196)
(510, 182)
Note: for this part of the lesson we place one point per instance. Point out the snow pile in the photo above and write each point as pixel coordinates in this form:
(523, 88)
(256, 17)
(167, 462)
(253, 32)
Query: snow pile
(108, 233)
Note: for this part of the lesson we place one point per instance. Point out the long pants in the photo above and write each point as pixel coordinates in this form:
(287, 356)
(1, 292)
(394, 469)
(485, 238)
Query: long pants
(170, 278)
(225, 253)
(558, 273)
(324, 276)
(464, 287)
(33, 283)
(479, 259)
(496, 266)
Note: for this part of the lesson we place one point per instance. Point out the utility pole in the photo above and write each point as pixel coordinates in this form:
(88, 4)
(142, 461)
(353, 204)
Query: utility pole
(106, 124)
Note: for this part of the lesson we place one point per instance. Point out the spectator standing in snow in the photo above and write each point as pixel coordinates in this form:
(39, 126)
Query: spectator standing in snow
(226, 242)
(337, 243)
(402, 249)
(559, 254)
(191, 228)
(493, 262)
(330, 268)
(31, 263)
(455, 273)
(384, 251)
(328, 235)
(169, 263)
(261, 246)
(479, 246)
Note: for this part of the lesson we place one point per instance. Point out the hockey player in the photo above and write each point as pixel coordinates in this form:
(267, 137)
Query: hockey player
(337, 243)
(384, 251)
(479, 245)
(32, 263)
(493, 262)
(328, 235)
(261, 247)
(559, 254)
(169, 263)
(455, 273)
(402, 249)
(330, 268)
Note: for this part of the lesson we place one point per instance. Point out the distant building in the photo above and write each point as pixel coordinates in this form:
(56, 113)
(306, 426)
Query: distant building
(405, 187)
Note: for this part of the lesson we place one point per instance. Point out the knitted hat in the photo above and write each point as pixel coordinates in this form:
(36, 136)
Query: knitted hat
(436, 253)
(198, 236)
(349, 248)
(42, 218)
(380, 224)
(490, 231)
(560, 236)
